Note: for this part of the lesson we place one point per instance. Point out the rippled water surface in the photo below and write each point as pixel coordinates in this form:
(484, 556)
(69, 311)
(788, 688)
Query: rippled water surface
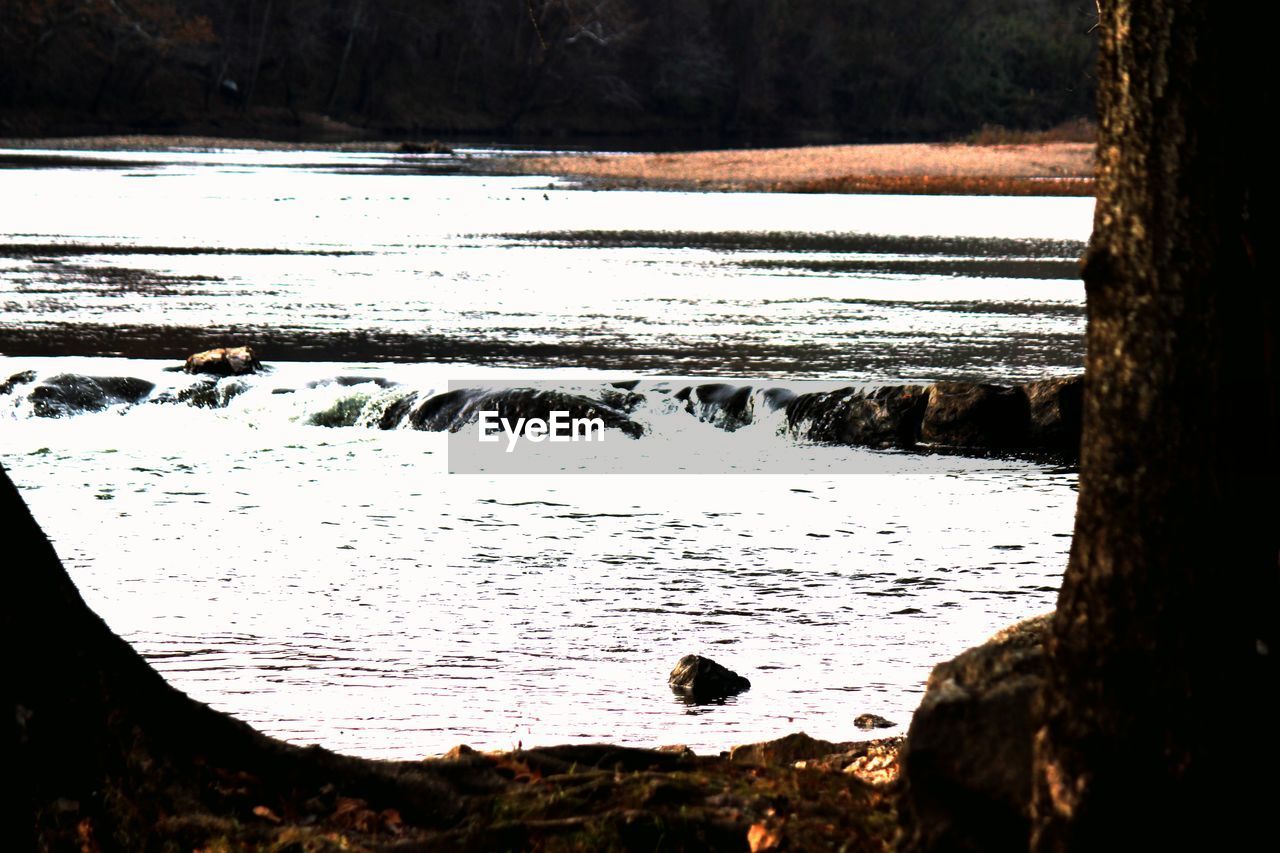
(334, 585)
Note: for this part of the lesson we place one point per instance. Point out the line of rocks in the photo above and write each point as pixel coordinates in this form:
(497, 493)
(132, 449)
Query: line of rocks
(1042, 415)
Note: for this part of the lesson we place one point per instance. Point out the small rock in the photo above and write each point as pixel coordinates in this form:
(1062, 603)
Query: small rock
(211, 394)
(23, 378)
(873, 721)
(224, 361)
(703, 680)
(786, 751)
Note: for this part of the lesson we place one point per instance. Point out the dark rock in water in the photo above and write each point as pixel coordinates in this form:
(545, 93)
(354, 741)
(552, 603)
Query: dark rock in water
(703, 680)
(211, 394)
(873, 721)
(26, 377)
(777, 398)
(625, 401)
(455, 409)
(393, 415)
(886, 417)
(224, 361)
(628, 385)
(1057, 411)
(69, 394)
(967, 763)
(970, 414)
(730, 406)
(726, 406)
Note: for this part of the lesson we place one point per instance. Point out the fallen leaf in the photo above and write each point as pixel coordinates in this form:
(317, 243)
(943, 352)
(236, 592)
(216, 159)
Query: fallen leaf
(84, 831)
(352, 813)
(761, 837)
(266, 814)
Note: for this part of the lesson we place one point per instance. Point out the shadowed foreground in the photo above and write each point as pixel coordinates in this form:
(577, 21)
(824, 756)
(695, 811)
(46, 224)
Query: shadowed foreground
(109, 756)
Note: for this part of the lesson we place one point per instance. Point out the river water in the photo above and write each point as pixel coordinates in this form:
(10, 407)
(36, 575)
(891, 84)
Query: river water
(335, 585)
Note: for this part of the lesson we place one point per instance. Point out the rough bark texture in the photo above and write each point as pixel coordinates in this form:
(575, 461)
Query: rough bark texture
(1165, 639)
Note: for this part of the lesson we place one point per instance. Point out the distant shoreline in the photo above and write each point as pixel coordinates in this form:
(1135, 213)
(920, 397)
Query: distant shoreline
(1035, 169)
(1052, 168)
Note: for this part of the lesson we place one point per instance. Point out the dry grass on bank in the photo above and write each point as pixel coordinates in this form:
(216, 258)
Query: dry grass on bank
(1058, 168)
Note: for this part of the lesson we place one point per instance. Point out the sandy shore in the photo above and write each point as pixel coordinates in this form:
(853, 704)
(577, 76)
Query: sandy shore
(1055, 168)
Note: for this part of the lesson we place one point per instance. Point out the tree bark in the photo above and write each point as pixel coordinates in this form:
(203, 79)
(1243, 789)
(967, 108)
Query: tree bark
(1163, 656)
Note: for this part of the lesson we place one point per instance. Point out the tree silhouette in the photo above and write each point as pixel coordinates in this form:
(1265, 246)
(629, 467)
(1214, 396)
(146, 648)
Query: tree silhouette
(1163, 657)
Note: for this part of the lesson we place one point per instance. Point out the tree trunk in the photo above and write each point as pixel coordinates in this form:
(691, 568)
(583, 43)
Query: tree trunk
(257, 57)
(1163, 657)
(356, 11)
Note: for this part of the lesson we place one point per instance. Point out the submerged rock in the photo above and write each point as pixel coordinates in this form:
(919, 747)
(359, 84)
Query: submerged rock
(730, 406)
(625, 400)
(972, 414)
(727, 406)
(396, 411)
(211, 394)
(873, 721)
(224, 361)
(701, 680)
(967, 763)
(25, 377)
(71, 394)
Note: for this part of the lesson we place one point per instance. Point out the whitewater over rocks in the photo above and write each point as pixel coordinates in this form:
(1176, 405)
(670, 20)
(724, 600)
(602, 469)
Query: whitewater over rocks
(1042, 416)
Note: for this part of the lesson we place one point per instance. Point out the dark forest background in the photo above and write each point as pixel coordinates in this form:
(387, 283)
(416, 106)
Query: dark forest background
(795, 70)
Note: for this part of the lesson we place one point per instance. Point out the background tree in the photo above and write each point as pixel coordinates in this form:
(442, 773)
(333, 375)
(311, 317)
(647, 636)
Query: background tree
(1158, 720)
(737, 69)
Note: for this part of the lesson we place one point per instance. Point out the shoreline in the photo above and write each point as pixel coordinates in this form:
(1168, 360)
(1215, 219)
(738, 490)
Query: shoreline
(937, 168)
(1047, 168)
